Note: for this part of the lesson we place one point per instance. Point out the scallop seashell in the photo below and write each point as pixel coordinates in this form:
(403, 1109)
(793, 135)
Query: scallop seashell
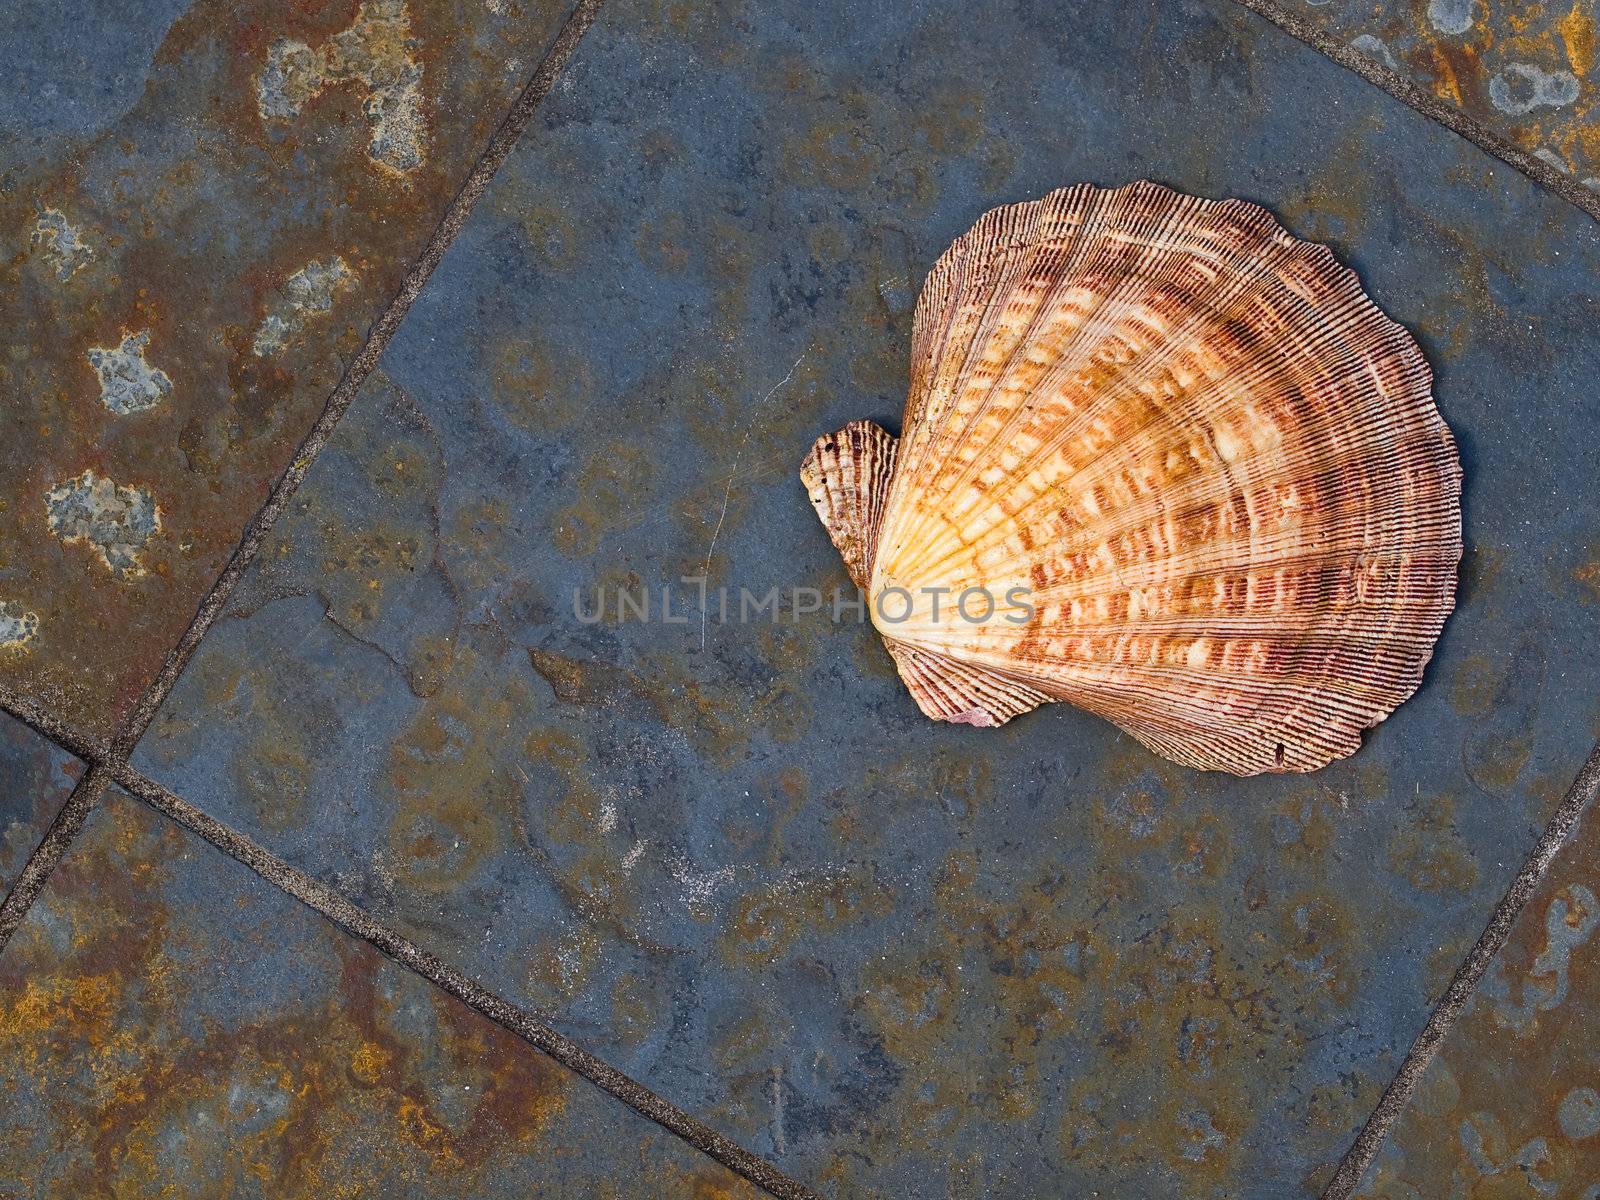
(1196, 472)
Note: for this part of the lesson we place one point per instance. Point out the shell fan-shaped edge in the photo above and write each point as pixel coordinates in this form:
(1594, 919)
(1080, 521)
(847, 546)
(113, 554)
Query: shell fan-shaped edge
(1210, 463)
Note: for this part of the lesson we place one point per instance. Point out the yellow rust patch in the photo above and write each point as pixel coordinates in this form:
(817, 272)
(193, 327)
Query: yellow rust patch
(455, 798)
(1578, 35)
(145, 1099)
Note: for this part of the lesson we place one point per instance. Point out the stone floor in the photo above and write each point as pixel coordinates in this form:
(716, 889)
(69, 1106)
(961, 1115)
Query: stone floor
(350, 347)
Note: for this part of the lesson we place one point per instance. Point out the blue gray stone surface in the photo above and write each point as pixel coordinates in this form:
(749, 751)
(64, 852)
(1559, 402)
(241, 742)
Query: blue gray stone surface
(78, 65)
(1510, 1106)
(731, 858)
(36, 777)
(173, 1025)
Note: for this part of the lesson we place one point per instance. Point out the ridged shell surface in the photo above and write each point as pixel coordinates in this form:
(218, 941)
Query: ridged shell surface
(1199, 475)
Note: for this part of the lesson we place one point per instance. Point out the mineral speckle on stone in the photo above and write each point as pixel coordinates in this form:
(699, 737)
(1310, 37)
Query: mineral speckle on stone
(308, 292)
(128, 383)
(375, 51)
(62, 242)
(18, 627)
(116, 522)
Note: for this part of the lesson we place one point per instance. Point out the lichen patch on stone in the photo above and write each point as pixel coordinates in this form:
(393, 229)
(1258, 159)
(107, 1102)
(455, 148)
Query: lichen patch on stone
(129, 384)
(375, 51)
(17, 626)
(292, 76)
(1521, 87)
(308, 292)
(62, 242)
(116, 522)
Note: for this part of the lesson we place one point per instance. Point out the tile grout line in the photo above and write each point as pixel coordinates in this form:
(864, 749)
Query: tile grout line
(1467, 977)
(51, 850)
(1429, 105)
(356, 921)
(46, 724)
(477, 181)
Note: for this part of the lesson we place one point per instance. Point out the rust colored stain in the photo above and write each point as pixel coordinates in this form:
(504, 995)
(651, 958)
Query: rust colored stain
(183, 283)
(1511, 1104)
(170, 1024)
(1526, 70)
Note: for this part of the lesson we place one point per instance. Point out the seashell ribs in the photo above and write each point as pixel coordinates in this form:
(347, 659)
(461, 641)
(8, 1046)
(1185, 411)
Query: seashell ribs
(1195, 475)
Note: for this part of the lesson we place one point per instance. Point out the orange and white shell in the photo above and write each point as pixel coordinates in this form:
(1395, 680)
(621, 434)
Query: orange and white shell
(1186, 474)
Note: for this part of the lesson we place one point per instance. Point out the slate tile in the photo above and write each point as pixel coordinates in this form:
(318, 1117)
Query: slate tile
(1511, 1104)
(897, 957)
(1526, 71)
(172, 1024)
(203, 207)
(36, 777)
